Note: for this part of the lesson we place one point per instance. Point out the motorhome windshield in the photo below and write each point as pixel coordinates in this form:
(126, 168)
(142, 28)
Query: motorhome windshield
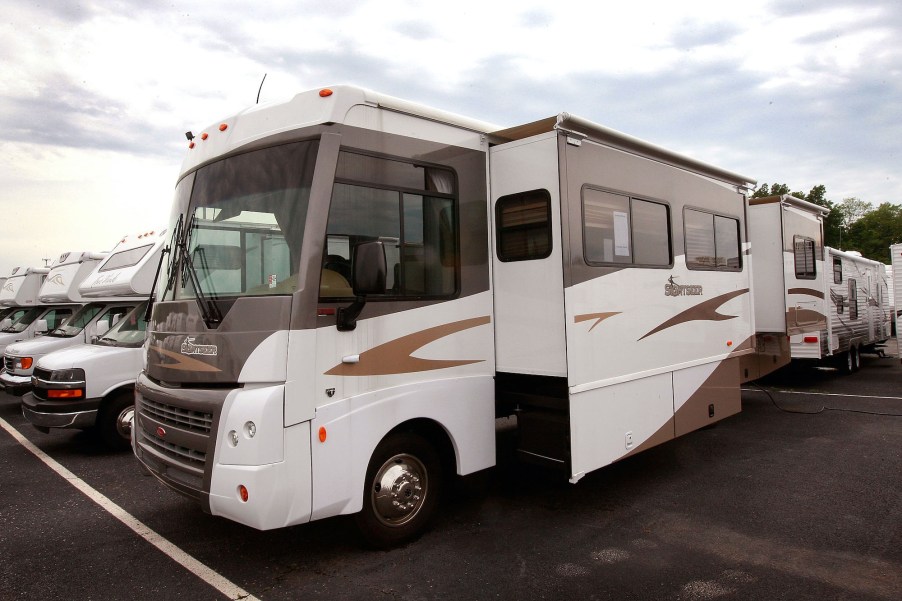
(78, 321)
(242, 230)
(129, 331)
(24, 319)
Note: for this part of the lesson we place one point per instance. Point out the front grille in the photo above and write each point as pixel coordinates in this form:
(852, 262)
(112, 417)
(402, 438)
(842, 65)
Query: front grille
(8, 363)
(181, 454)
(194, 421)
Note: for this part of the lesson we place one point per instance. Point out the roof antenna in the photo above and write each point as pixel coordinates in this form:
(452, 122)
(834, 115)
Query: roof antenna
(260, 88)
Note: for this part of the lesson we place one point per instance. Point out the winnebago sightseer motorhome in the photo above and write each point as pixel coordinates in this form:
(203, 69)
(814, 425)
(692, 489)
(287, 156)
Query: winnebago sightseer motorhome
(358, 285)
(89, 385)
(31, 317)
(786, 234)
(90, 319)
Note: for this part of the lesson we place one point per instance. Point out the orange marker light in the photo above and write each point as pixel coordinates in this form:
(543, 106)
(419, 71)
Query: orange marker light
(322, 434)
(242, 492)
(65, 394)
(223, 127)
(27, 362)
(204, 136)
(191, 145)
(729, 343)
(325, 93)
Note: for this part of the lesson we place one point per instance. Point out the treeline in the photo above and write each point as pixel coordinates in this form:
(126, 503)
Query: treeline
(852, 224)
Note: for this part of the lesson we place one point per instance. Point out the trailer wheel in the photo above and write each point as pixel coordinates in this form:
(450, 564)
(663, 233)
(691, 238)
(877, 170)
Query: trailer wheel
(856, 358)
(114, 421)
(403, 484)
(847, 361)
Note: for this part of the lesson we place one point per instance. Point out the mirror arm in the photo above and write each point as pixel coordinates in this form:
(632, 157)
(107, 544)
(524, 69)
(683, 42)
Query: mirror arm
(347, 316)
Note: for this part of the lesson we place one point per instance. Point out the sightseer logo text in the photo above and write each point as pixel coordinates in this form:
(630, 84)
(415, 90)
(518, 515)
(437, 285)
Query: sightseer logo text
(189, 348)
(671, 288)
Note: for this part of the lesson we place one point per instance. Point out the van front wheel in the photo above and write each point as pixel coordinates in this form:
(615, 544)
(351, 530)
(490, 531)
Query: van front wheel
(403, 483)
(115, 420)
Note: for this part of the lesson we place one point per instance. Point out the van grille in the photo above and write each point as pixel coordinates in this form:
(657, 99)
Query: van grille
(194, 421)
(8, 363)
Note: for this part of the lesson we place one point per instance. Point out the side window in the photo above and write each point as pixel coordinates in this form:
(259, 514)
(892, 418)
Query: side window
(410, 208)
(803, 252)
(837, 270)
(523, 223)
(621, 230)
(712, 241)
(853, 300)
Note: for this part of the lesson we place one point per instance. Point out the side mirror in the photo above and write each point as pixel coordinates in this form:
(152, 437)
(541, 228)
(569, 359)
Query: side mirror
(370, 270)
(40, 326)
(102, 326)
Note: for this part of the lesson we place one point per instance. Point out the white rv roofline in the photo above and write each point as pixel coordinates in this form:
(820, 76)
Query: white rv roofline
(853, 257)
(616, 139)
(787, 199)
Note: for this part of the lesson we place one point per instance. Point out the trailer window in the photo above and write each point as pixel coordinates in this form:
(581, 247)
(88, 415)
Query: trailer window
(803, 251)
(618, 229)
(853, 300)
(523, 226)
(837, 270)
(712, 241)
(411, 208)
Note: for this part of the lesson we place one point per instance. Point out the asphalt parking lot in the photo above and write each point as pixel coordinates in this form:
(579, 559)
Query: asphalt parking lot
(773, 503)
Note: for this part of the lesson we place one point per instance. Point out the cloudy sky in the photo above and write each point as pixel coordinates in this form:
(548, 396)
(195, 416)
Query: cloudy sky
(95, 97)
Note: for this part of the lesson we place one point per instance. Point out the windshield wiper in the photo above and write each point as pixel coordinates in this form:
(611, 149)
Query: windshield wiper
(209, 307)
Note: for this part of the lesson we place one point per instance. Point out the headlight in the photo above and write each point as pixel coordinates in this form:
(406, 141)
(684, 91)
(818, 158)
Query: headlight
(68, 375)
(23, 363)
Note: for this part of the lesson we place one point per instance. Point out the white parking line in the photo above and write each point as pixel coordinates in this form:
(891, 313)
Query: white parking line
(231, 590)
(851, 396)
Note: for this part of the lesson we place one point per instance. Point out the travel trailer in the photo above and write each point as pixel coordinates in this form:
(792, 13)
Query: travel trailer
(358, 285)
(895, 252)
(853, 299)
(788, 275)
(88, 320)
(92, 385)
(29, 317)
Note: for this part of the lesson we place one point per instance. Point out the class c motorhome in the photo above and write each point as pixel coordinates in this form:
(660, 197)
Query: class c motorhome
(90, 317)
(358, 286)
(28, 317)
(92, 385)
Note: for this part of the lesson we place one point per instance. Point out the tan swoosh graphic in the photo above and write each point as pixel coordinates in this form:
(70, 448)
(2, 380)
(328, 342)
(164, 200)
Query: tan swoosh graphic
(706, 311)
(807, 292)
(182, 362)
(394, 356)
(598, 317)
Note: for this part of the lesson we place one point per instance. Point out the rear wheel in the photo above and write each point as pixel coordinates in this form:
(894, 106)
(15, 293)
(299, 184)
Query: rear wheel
(114, 421)
(856, 358)
(403, 484)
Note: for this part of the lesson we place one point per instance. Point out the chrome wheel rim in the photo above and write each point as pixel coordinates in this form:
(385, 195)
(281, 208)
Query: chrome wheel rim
(399, 490)
(124, 422)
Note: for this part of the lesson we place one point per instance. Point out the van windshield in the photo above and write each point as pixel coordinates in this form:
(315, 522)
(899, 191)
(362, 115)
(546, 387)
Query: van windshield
(242, 230)
(129, 331)
(77, 323)
(24, 319)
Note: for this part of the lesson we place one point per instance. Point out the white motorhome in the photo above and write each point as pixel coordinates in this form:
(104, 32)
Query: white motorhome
(90, 385)
(788, 276)
(28, 316)
(895, 252)
(853, 299)
(360, 284)
(88, 320)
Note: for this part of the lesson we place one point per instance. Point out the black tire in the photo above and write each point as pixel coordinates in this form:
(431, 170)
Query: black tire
(856, 358)
(844, 361)
(114, 421)
(401, 492)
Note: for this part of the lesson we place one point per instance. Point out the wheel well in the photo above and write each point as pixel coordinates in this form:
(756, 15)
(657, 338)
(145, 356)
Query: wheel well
(436, 435)
(128, 390)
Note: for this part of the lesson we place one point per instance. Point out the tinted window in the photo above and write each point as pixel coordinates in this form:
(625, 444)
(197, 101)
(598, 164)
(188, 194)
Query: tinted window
(622, 230)
(803, 251)
(125, 258)
(712, 241)
(524, 226)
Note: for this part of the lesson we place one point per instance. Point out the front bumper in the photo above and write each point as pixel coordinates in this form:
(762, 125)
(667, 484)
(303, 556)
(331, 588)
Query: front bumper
(15, 385)
(60, 414)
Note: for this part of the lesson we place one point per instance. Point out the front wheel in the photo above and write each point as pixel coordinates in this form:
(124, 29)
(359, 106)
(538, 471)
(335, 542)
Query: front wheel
(400, 496)
(115, 421)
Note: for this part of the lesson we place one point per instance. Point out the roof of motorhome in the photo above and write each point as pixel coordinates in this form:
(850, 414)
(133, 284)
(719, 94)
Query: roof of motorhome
(787, 199)
(616, 139)
(852, 255)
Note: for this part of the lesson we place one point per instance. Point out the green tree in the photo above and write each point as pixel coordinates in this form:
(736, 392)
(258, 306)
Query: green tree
(873, 231)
